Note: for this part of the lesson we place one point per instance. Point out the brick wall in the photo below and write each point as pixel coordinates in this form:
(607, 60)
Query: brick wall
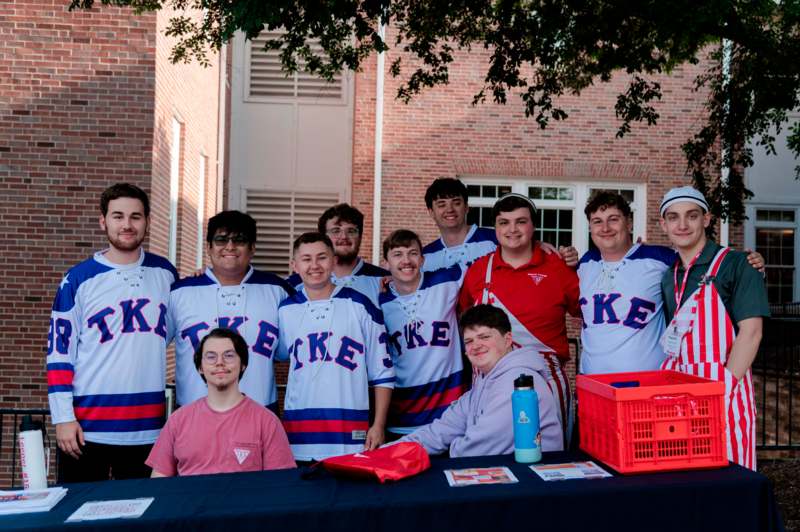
(441, 134)
(190, 94)
(86, 100)
(76, 114)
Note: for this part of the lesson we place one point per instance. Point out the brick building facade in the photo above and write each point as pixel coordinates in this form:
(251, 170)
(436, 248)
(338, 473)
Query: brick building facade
(87, 99)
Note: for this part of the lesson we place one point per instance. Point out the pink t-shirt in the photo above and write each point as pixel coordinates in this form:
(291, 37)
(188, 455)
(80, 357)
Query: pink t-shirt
(198, 440)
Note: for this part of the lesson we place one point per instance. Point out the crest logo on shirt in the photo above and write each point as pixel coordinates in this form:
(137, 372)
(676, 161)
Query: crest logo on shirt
(241, 454)
(537, 277)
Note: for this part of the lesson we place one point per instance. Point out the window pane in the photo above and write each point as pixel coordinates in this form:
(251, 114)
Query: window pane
(488, 191)
(788, 216)
(535, 192)
(550, 219)
(550, 193)
(550, 237)
(777, 247)
(474, 190)
(502, 190)
(761, 215)
(473, 216)
(564, 219)
(565, 194)
(627, 194)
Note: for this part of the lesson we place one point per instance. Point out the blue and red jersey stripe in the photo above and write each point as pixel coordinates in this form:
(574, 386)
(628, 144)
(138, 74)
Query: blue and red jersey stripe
(414, 406)
(59, 377)
(130, 412)
(325, 425)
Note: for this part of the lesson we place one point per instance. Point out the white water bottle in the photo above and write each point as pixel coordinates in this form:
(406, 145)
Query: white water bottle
(31, 454)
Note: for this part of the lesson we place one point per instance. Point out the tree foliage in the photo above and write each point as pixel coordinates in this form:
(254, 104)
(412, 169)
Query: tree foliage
(543, 49)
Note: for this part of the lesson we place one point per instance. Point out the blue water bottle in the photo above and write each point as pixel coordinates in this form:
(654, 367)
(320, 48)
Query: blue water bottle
(527, 436)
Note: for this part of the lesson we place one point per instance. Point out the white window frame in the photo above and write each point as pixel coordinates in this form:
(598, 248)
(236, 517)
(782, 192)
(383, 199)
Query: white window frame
(580, 195)
(201, 208)
(752, 224)
(174, 187)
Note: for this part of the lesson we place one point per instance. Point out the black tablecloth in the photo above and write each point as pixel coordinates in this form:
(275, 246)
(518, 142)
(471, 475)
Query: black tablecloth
(728, 499)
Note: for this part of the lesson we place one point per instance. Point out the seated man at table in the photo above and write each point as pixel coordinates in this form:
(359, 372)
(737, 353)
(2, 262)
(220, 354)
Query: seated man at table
(226, 432)
(479, 423)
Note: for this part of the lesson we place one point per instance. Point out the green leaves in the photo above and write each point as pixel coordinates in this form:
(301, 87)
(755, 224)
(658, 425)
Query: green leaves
(540, 50)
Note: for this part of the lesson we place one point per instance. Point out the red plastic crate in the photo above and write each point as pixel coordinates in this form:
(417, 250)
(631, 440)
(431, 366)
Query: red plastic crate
(669, 421)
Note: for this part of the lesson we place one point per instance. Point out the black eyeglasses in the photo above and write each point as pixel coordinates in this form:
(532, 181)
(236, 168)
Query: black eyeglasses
(222, 240)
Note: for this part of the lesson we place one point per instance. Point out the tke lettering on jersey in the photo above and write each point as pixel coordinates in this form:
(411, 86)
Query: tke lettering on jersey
(133, 320)
(603, 310)
(414, 335)
(316, 347)
(265, 341)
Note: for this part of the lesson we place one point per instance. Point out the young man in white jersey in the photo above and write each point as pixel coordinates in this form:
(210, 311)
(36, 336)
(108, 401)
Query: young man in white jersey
(715, 305)
(335, 341)
(233, 295)
(106, 353)
(225, 432)
(344, 226)
(620, 288)
(460, 243)
(420, 313)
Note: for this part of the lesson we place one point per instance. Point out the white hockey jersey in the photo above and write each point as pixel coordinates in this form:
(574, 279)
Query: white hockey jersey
(199, 304)
(336, 349)
(106, 349)
(426, 349)
(365, 277)
(622, 308)
(479, 241)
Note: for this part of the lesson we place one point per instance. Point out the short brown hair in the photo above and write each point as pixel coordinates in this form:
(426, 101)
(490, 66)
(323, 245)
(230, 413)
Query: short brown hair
(123, 190)
(344, 213)
(310, 238)
(485, 316)
(401, 238)
(604, 199)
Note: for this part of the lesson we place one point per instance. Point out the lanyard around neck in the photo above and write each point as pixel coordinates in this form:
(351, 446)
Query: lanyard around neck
(679, 293)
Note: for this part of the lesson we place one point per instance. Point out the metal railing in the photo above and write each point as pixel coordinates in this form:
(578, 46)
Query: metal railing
(776, 376)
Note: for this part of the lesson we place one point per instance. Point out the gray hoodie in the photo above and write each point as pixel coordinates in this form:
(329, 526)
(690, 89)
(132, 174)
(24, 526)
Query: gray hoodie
(479, 423)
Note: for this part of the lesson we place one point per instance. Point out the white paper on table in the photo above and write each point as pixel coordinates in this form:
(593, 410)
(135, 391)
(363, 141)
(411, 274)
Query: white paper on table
(479, 476)
(25, 501)
(570, 471)
(124, 508)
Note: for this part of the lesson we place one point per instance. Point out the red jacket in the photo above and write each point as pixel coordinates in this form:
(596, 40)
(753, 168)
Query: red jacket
(538, 293)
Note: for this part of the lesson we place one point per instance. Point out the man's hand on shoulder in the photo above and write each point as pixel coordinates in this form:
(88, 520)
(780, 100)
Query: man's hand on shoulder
(755, 259)
(69, 437)
(569, 254)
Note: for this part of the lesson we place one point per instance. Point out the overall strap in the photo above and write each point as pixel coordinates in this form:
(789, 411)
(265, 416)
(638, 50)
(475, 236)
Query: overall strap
(716, 262)
(487, 280)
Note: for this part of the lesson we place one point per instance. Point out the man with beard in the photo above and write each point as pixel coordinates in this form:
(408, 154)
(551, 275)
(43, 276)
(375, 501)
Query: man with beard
(106, 352)
(344, 225)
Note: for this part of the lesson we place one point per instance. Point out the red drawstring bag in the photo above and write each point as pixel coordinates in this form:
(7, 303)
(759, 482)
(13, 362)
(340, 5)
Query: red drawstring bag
(392, 462)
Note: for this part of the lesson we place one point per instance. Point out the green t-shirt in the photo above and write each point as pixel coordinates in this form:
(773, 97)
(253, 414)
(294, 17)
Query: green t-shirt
(740, 286)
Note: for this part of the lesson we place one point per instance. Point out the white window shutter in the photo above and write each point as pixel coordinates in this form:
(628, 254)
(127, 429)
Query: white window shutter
(266, 80)
(282, 216)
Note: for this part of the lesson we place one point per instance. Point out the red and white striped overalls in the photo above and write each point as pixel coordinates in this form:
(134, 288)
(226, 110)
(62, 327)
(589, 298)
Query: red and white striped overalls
(704, 333)
(557, 379)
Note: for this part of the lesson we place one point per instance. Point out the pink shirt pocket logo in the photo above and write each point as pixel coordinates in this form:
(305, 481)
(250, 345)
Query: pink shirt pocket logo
(241, 454)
